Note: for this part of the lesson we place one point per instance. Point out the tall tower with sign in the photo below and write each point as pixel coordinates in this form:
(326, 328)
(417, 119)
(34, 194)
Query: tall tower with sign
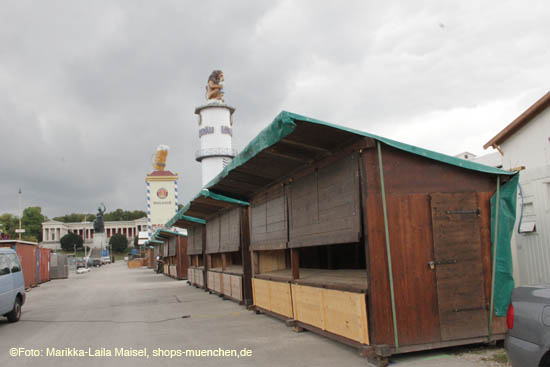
(215, 130)
(162, 192)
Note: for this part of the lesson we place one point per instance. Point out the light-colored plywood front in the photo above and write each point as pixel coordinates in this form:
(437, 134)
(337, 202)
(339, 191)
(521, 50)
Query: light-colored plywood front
(211, 283)
(226, 284)
(218, 282)
(272, 296)
(339, 312)
(236, 287)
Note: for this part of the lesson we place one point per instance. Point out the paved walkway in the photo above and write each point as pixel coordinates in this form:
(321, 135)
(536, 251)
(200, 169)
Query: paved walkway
(115, 310)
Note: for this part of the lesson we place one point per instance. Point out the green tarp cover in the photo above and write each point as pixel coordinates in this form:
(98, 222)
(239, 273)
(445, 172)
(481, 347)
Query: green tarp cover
(207, 194)
(504, 280)
(180, 215)
(160, 231)
(285, 123)
(153, 241)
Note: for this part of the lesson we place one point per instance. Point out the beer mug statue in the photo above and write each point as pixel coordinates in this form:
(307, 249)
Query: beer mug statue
(159, 161)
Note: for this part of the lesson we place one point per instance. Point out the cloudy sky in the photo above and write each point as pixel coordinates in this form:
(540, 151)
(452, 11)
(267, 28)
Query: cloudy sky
(88, 89)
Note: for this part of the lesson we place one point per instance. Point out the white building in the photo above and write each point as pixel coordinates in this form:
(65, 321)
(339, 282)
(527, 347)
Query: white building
(52, 231)
(525, 145)
(491, 159)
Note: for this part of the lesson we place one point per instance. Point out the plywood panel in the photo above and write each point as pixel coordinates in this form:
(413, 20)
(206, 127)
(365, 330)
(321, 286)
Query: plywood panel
(268, 212)
(226, 283)
(236, 287)
(273, 296)
(281, 298)
(218, 282)
(272, 260)
(339, 312)
(260, 292)
(211, 283)
(230, 230)
(324, 205)
(308, 305)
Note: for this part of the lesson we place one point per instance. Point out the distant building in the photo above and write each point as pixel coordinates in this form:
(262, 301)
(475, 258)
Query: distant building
(525, 143)
(52, 231)
(491, 159)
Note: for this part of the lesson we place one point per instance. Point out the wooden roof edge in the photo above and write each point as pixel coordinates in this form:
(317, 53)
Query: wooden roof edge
(520, 121)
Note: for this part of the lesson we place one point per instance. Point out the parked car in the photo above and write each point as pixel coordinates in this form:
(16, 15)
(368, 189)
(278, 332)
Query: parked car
(94, 262)
(106, 259)
(12, 285)
(528, 320)
(80, 262)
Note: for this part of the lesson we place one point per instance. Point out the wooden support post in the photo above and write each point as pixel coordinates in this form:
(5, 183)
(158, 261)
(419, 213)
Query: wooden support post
(255, 262)
(224, 261)
(295, 263)
(245, 256)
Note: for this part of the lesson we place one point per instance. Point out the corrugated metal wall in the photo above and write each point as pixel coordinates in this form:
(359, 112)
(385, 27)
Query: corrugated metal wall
(27, 256)
(44, 265)
(533, 249)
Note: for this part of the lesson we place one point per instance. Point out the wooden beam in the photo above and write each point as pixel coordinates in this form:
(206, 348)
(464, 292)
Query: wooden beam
(295, 263)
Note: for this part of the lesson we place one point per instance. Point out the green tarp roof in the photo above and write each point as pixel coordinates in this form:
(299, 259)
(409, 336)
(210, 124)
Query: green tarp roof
(286, 122)
(204, 193)
(168, 233)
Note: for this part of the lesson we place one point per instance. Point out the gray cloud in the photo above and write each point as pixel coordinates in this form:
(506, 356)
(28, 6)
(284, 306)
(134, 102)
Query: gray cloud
(88, 89)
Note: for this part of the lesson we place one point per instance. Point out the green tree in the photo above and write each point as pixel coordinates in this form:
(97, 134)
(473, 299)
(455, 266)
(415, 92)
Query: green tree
(70, 240)
(31, 221)
(75, 217)
(9, 223)
(119, 242)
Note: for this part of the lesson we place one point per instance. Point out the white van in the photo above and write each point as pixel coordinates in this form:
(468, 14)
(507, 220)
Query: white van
(12, 285)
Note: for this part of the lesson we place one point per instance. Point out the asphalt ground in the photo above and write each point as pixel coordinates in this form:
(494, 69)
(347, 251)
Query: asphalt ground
(115, 316)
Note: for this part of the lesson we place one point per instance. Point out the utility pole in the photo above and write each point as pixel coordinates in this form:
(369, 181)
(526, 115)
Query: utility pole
(20, 215)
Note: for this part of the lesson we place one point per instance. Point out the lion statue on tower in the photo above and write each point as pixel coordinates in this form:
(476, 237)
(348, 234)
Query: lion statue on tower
(214, 88)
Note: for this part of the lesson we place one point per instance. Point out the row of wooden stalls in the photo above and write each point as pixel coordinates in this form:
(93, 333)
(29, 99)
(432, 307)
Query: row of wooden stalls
(379, 244)
(171, 246)
(35, 261)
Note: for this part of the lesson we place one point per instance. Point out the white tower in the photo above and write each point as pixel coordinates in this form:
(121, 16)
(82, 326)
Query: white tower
(215, 131)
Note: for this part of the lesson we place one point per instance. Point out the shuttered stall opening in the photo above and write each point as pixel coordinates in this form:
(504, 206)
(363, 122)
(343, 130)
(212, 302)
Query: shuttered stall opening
(174, 247)
(223, 245)
(195, 252)
(190, 248)
(270, 256)
(226, 243)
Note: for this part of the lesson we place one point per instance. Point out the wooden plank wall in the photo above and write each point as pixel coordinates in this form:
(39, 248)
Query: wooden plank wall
(268, 212)
(324, 205)
(198, 239)
(213, 235)
(230, 230)
(409, 181)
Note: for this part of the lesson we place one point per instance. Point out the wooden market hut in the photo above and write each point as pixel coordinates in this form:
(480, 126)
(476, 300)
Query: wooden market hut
(175, 252)
(225, 237)
(196, 272)
(379, 244)
(153, 249)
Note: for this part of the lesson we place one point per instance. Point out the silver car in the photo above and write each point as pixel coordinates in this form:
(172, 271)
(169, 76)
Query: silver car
(528, 320)
(12, 285)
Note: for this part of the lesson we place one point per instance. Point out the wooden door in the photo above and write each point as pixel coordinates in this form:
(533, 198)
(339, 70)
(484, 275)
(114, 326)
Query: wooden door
(458, 265)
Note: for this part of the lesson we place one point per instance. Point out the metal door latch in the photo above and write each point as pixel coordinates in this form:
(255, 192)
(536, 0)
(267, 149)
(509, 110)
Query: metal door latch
(432, 264)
